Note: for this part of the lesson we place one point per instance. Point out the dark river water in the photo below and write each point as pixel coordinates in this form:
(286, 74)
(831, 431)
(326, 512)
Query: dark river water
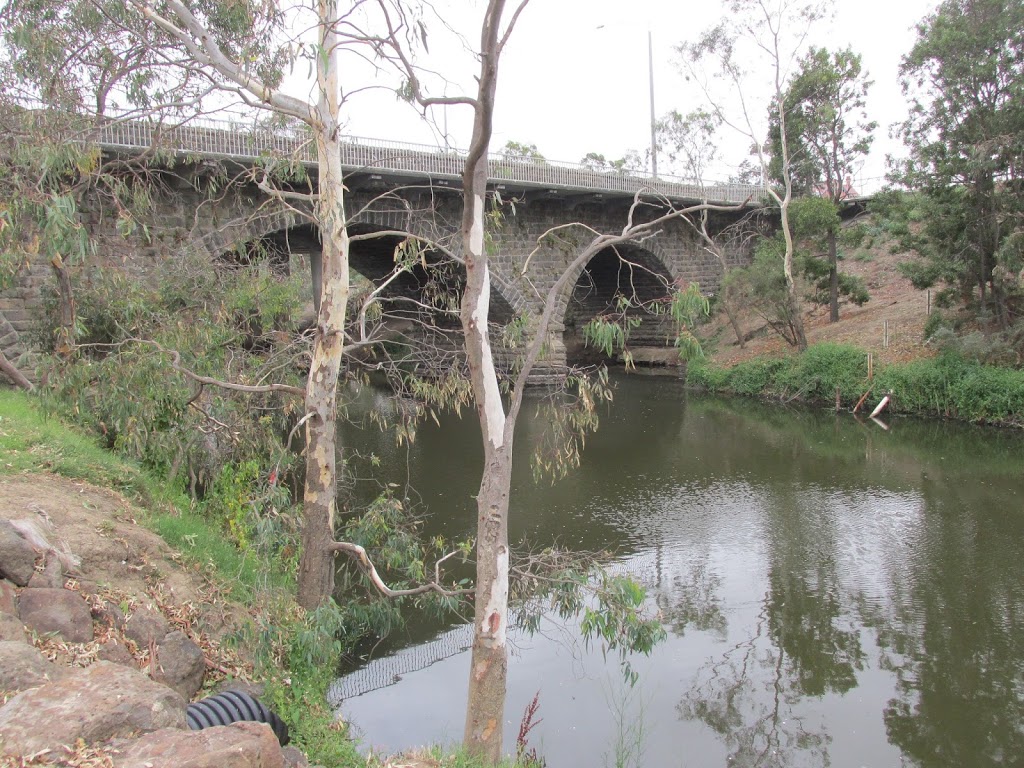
(834, 593)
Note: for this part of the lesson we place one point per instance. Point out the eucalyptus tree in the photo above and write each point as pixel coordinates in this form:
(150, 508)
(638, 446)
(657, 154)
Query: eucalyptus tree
(828, 135)
(249, 68)
(725, 62)
(965, 134)
(690, 142)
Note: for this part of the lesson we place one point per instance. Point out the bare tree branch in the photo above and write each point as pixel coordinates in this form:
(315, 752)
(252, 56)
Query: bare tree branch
(358, 553)
(202, 46)
(210, 381)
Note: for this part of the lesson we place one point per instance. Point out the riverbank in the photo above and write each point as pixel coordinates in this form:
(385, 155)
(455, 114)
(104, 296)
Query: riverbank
(136, 556)
(946, 386)
(875, 350)
(890, 325)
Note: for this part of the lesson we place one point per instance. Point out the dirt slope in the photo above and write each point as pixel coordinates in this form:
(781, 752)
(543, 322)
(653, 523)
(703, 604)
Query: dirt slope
(893, 300)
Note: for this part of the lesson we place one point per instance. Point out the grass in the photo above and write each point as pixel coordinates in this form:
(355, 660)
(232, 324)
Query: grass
(32, 442)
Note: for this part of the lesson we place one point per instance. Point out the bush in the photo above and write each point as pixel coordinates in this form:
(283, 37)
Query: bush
(755, 377)
(123, 384)
(936, 321)
(822, 368)
(702, 375)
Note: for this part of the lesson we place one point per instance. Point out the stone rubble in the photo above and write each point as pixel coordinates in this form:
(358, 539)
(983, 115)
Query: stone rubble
(110, 704)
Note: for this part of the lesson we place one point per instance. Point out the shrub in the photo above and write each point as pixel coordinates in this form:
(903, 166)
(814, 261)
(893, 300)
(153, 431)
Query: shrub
(756, 377)
(824, 367)
(936, 321)
(123, 384)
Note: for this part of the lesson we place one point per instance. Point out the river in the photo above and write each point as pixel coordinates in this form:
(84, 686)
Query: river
(834, 593)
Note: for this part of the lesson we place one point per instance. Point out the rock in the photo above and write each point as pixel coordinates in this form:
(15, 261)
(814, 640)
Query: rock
(8, 598)
(256, 690)
(17, 557)
(116, 652)
(23, 666)
(109, 613)
(11, 628)
(52, 575)
(59, 611)
(146, 626)
(180, 664)
(239, 745)
(95, 704)
(294, 758)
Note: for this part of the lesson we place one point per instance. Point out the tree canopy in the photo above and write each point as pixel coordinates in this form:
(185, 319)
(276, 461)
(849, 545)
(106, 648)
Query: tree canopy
(965, 135)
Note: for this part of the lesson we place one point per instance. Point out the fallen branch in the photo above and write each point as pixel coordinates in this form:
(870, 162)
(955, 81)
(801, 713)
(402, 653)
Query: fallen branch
(358, 553)
(8, 368)
(207, 380)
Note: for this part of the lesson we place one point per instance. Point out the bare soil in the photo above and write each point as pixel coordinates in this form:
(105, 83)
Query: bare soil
(99, 527)
(122, 562)
(894, 301)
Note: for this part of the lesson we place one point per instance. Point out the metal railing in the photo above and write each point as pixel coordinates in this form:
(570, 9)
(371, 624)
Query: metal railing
(225, 139)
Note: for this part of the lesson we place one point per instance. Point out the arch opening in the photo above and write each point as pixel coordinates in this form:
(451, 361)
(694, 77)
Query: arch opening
(415, 291)
(625, 283)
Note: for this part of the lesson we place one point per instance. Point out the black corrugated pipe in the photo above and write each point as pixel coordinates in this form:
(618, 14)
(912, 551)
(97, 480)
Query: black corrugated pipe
(232, 707)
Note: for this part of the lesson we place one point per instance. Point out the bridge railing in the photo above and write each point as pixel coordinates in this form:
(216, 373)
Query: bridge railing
(233, 140)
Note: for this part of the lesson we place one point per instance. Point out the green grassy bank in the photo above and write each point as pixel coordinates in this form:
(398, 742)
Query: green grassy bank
(293, 652)
(947, 386)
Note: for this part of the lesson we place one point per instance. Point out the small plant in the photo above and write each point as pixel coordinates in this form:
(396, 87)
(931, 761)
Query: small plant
(525, 754)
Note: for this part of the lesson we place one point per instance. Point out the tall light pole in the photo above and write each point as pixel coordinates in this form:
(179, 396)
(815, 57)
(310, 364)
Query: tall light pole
(654, 131)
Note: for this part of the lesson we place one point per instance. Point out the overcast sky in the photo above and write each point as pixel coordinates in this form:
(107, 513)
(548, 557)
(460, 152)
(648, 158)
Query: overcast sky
(574, 78)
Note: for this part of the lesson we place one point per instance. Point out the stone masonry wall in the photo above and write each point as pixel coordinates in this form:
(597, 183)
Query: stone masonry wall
(19, 306)
(191, 215)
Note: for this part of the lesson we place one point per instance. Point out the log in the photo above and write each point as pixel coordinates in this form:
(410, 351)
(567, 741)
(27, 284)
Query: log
(8, 368)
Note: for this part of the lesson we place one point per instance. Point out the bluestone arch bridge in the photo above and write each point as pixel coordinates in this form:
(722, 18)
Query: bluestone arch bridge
(396, 188)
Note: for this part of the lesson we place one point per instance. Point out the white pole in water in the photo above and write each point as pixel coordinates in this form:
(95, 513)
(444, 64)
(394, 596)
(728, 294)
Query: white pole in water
(880, 407)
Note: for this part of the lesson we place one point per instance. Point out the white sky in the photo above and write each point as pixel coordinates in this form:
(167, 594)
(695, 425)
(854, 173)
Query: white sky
(574, 78)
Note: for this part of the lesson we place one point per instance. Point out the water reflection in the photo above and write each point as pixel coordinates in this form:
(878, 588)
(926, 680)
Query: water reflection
(691, 601)
(835, 594)
(955, 638)
(749, 697)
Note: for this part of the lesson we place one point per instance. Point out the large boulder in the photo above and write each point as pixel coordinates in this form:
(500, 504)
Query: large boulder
(95, 704)
(52, 575)
(117, 653)
(22, 667)
(17, 557)
(239, 745)
(180, 664)
(109, 613)
(59, 611)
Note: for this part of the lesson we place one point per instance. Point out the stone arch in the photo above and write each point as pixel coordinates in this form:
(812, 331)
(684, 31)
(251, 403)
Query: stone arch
(639, 273)
(505, 296)
(507, 301)
(256, 226)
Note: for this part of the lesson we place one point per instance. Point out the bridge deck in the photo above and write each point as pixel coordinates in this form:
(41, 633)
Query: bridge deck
(218, 139)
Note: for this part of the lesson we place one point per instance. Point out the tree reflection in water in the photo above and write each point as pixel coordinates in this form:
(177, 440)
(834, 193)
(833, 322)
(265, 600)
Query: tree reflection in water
(692, 602)
(804, 645)
(748, 697)
(954, 633)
